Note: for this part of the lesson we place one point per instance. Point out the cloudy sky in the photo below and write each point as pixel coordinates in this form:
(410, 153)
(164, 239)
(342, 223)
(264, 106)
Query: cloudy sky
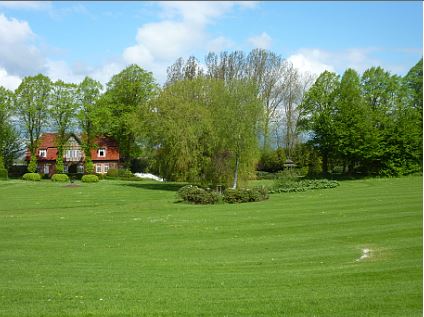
(70, 40)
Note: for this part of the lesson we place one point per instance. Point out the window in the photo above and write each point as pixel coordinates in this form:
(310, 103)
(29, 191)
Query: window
(98, 168)
(42, 153)
(80, 168)
(105, 168)
(101, 152)
(46, 169)
(65, 168)
(73, 154)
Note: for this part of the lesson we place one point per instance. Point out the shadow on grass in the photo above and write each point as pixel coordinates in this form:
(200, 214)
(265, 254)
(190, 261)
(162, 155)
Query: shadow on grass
(157, 186)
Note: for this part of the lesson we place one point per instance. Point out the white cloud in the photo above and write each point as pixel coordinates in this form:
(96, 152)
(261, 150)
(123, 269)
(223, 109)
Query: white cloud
(60, 70)
(219, 44)
(105, 72)
(317, 60)
(9, 81)
(21, 56)
(262, 40)
(168, 39)
(182, 30)
(310, 62)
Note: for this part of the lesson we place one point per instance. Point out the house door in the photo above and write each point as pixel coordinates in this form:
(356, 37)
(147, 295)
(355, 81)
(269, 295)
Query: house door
(72, 169)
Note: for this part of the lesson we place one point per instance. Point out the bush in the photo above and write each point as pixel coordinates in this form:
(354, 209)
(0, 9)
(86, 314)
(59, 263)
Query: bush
(89, 166)
(197, 195)
(245, 195)
(3, 173)
(272, 161)
(60, 167)
(31, 177)
(32, 166)
(265, 175)
(291, 185)
(90, 179)
(113, 172)
(60, 178)
(125, 173)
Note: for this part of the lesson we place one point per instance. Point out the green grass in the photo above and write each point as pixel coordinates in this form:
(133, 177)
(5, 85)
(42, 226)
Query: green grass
(127, 249)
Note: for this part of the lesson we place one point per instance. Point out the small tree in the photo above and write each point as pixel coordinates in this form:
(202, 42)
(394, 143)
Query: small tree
(32, 166)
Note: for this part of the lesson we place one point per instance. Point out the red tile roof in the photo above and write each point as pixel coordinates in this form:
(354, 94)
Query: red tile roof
(48, 142)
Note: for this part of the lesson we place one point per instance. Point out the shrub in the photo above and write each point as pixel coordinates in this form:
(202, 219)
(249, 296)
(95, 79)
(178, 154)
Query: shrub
(265, 175)
(31, 177)
(32, 166)
(291, 185)
(272, 161)
(60, 178)
(3, 173)
(90, 178)
(89, 166)
(113, 172)
(245, 195)
(125, 173)
(60, 167)
(197, 195)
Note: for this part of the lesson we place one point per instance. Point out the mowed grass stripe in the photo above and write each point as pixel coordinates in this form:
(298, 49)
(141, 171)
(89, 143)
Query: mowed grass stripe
(127, 249)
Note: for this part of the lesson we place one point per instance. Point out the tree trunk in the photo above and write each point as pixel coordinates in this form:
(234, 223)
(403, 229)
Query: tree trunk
(325, 164)
(236, 172)
(266, 135)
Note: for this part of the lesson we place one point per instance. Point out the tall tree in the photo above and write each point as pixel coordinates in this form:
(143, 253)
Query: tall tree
(179, 127)
(237, 123)
(125, 92)
(295, 87)
(9, 137)
(352, 121)
(89, 115)
(318, 110)
(62, 108)
(381, 92)
(31, 107)
(414, 81)
(267, 70)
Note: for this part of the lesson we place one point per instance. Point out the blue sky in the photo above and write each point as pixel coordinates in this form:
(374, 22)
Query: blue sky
(71, 40)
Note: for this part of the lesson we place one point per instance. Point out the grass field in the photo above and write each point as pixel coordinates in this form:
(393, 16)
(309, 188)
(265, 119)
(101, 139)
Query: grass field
(127, 249)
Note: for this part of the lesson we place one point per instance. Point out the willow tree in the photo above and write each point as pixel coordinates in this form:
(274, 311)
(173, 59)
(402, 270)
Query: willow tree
(178, 124)
(205, 130)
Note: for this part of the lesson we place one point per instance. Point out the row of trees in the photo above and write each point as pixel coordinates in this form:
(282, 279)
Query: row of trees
(212, 123)
(370, 124)
(40, 105)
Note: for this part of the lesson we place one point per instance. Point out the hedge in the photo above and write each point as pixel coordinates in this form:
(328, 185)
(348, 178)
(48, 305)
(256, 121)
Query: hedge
(90, 179)
(245, 195)
(31, 177)
(197, 195)
(60, 178)
(3, 173)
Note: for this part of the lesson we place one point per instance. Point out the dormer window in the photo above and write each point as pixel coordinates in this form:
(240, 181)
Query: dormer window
(42, 153)
(101, 152)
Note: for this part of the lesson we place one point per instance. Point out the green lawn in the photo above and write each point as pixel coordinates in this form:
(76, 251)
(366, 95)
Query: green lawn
(127, 249)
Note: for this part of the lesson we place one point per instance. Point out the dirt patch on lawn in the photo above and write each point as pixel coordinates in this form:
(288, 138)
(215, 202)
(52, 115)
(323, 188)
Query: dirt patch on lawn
(72, 185)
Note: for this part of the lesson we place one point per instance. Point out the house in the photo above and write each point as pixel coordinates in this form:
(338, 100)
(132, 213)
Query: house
(104, 155)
